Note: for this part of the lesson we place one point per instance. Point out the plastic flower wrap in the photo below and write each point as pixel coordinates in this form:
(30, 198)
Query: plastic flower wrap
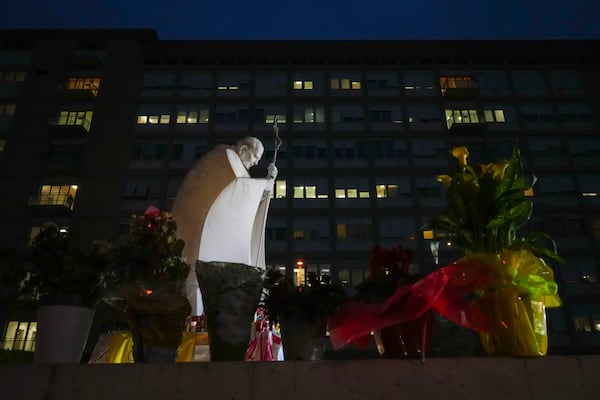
(487, 205)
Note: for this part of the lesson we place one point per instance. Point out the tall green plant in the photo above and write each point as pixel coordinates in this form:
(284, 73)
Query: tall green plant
(487, 205)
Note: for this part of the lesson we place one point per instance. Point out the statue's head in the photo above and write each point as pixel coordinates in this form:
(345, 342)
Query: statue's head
(250, 150)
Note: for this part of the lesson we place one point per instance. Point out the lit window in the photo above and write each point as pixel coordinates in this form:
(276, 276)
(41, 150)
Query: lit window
(280, 189)
(2, 145)
(582, 324)
(345, 84)
(7, 109)
(303, 85)
(19, 335)
(310, 188)
(12, 76)
(233, 82)
(309, 115)
(298, 192)
(87, 84)
(192, 116)
(81, 118)
(351, 188)
(270, 118)
(63, 195)
(463, 117)
(494, 116)
(162, 119)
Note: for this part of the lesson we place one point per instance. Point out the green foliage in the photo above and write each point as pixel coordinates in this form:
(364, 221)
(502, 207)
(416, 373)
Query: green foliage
(150, 252)
(53, 266)
(487, 206)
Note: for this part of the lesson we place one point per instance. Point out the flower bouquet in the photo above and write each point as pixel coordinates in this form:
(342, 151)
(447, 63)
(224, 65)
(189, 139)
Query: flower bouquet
(398, 306)
(487, 205)
(389, 269)
(301, 312)
(147, 277)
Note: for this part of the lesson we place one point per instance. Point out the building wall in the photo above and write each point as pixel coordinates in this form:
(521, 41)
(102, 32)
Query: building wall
(457, 378)
(388, 127)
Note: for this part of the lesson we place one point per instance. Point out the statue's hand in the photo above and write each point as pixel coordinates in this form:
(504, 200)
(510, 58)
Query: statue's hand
(271, 171)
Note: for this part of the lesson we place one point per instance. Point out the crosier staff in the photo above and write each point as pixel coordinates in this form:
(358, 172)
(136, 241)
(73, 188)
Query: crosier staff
(278, 140)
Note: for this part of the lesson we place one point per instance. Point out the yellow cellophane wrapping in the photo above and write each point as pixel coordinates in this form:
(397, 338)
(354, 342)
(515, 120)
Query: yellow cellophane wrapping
(120, 350)
(520, 323)
(516, 305)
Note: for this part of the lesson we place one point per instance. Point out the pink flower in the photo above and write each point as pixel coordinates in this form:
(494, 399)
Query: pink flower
(151, 212)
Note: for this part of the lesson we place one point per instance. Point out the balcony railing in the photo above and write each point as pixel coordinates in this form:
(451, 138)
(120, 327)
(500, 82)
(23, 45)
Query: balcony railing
(52, 200)
(16, 344)
(69, 127)
(67, 91)
(459, 88)
(465, 121)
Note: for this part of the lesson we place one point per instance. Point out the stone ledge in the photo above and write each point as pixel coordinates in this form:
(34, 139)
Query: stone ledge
(547, 378)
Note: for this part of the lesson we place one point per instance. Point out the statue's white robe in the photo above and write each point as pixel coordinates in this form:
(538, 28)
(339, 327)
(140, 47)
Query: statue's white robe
(221, 214)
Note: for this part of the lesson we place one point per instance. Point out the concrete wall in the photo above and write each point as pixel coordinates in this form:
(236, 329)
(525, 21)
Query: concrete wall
(555, 377)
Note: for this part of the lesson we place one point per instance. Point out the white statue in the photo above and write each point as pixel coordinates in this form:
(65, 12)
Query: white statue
(221, 211)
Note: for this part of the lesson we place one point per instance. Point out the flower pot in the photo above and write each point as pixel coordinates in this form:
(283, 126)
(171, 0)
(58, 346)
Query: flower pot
(230, 293)
(303, 335)
(63, 326)
(519, 322)
(410, 339)
(157, 324)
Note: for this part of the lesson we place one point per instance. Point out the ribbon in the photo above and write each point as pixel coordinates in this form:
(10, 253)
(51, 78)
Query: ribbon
(533, 275)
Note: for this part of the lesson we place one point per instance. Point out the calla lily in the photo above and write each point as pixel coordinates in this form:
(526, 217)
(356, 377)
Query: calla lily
(487, 168)
(499, 169)
(445, 179)
(486, 206)
(460, 153)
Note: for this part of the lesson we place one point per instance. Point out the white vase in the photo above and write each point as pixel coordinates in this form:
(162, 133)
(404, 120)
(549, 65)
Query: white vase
(62, 332)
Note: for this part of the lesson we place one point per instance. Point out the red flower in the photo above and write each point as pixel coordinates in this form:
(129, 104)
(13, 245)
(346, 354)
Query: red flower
(151, 212)
(386, 260)
(152, 216)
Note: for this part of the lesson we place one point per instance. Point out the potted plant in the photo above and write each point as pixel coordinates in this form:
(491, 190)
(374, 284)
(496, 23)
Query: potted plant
(65, 283)
(301, 312)
(487, 206)
(146, 281)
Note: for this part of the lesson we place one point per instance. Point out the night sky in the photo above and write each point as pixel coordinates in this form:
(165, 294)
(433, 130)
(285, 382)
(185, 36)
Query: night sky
(317, 19)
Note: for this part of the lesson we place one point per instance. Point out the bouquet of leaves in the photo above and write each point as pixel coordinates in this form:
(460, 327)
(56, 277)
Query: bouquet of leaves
(486, 206)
